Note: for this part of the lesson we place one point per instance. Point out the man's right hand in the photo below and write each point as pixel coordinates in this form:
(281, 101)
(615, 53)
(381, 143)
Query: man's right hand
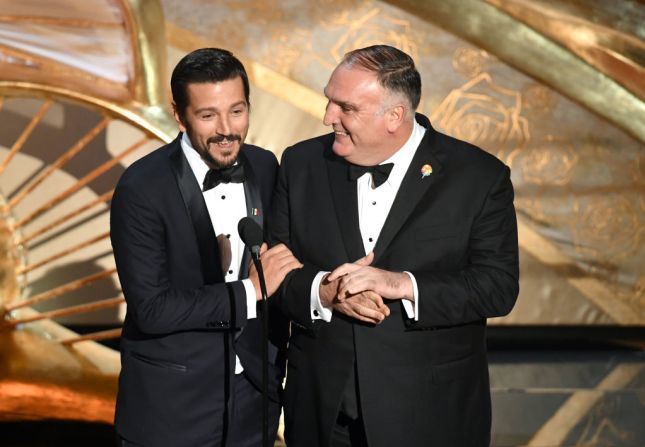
(276, 263)
(366, 306)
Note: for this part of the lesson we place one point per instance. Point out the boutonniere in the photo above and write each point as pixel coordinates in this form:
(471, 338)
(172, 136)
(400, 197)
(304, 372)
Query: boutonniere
(426, 170)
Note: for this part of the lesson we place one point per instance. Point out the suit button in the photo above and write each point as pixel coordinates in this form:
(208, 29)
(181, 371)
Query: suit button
(316, 313)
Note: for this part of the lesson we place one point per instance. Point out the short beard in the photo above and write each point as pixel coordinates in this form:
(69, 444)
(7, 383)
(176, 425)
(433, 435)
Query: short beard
(215, 164)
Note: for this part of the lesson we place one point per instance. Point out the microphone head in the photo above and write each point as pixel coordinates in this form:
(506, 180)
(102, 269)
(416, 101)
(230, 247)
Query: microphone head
(250, 232)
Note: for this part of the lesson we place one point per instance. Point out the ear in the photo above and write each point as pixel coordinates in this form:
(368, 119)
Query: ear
(395, 117)
(177, 116)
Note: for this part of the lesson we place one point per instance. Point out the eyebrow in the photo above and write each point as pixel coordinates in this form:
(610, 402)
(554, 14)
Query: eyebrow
(213, 109)
(345, 105)
(342, 104)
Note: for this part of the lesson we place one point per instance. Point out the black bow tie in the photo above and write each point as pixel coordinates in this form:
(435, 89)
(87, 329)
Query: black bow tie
(380, 173)
(232, 174)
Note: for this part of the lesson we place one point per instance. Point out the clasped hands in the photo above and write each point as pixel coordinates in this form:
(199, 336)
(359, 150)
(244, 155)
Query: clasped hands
(357, 290)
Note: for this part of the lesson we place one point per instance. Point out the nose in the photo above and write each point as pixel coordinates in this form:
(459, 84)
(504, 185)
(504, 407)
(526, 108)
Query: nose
(331, 114)
(223, 125)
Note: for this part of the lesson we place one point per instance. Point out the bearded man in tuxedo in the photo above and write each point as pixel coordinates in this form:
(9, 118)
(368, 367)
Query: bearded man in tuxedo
(191, 346)
(409, 243)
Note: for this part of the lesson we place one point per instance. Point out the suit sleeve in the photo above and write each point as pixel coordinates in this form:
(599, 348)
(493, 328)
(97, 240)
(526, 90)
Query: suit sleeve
(293, 295)
(139, 235)
(489, 283)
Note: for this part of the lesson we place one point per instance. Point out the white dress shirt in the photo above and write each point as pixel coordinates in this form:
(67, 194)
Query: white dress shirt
(226, 204)
(373, 208)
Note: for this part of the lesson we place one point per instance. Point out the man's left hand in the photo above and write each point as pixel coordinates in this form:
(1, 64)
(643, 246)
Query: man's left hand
(355, 279)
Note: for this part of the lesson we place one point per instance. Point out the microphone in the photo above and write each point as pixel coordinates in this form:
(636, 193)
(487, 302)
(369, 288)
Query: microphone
(251, 234)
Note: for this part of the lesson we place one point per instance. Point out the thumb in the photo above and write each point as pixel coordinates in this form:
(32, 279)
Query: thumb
(366, 260)
(263, 248)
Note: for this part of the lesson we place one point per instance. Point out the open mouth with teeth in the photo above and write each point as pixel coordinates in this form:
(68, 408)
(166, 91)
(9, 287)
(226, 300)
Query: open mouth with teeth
(225, 143)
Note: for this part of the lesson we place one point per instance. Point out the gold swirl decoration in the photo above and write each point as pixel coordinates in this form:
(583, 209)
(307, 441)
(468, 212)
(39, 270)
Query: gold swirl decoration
(469, 62)
(551, 163)
(609, 228)
(484, 113)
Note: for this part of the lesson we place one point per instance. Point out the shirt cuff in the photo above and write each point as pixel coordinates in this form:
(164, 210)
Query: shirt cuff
(412, 309)
(251, 302)
(318, 312)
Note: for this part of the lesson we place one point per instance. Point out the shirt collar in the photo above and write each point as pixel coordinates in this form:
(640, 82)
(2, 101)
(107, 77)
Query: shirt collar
(198, 166)
(403, 157)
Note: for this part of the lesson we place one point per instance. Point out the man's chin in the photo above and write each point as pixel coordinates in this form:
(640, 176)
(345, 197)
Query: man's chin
(341, 149)
(224, 160)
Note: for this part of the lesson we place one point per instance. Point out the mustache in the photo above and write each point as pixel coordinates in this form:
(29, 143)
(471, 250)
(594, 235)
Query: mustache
(221, 138)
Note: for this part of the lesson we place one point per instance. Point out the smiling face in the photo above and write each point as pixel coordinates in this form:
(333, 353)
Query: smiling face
(357, 109)
(216, 120)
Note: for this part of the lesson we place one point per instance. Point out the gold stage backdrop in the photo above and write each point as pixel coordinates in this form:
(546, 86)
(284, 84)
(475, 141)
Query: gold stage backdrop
(554, 88)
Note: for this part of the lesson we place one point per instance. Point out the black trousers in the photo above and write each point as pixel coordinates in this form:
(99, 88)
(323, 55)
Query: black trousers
(245, 421)
(349, 430)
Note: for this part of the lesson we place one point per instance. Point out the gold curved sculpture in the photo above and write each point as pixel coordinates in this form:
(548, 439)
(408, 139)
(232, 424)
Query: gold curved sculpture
(539, 51)
(48, 371)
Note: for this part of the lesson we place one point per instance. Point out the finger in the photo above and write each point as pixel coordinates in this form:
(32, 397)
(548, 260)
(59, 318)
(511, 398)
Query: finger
(366, 260)
(343, 270)
(277, 254)
(348, 310)
(353, 284)
(290, 265)
(286, 258)
(375, 298)
(368, 313)
(263, 248)
(281, 264)
(275, 249)
(378, 301)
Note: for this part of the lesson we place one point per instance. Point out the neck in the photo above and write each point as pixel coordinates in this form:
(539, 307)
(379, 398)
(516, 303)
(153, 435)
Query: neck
(396, 142)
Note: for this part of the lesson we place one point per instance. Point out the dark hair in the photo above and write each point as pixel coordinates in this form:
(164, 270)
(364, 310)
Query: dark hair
(205, 65)
(394, 69)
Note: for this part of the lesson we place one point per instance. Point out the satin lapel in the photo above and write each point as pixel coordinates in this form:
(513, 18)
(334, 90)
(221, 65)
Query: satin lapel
(196, 206)
(343, 192)
(254, 208)
(413, 188)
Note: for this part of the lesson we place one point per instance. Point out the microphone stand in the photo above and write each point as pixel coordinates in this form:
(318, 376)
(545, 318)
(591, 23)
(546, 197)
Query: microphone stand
(255, 251)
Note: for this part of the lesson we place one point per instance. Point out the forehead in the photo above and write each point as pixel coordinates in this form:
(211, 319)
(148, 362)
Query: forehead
(353, 85)
(215, 94)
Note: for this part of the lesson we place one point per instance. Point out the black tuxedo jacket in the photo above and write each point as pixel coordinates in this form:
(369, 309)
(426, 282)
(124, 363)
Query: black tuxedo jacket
(182, 327)
(420, 382)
